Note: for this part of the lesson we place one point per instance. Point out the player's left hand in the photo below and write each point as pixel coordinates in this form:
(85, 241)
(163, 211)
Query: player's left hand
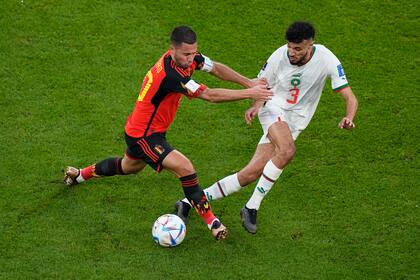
(346, 123)
(252, 112)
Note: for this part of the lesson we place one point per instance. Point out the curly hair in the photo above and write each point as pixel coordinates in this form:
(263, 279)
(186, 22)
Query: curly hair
(299, 31)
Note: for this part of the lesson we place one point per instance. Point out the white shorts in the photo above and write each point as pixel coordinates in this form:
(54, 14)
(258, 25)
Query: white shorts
(272, 114)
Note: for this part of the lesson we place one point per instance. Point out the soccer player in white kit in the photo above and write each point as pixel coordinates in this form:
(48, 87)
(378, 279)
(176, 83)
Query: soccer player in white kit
(296, 72)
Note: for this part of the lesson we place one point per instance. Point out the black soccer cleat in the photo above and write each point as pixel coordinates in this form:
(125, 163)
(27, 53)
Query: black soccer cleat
(249, 219)
(182, 210)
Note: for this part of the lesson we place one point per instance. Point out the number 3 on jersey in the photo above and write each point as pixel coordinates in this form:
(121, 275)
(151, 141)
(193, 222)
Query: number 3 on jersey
(294, 92)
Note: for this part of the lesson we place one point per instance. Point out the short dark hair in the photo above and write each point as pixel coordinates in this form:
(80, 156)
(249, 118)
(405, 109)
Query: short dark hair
(183, 34)
(299, 31)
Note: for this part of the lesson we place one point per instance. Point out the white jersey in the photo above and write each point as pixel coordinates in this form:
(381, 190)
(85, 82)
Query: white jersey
(299, 88)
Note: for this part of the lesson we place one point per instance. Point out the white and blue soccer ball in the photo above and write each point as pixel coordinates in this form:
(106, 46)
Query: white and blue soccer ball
(169, 230)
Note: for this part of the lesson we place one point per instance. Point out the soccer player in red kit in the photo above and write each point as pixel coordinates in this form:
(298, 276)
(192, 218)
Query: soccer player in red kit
(157, 103)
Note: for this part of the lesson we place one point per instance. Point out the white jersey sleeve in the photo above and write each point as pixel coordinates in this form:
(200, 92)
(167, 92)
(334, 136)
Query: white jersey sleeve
(336, 73)
(271, 68)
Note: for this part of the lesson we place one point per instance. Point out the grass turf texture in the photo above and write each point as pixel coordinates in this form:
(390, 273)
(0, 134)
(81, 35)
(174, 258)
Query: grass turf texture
(346, 208)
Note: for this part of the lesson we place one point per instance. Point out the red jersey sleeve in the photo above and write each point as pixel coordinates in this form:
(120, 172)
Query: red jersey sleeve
(179, 80)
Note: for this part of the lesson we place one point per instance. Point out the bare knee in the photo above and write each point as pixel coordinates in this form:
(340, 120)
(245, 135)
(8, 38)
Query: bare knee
(284, 154)
(290, 151)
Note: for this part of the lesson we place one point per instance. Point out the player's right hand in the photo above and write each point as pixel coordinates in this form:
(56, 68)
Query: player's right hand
(261, 93)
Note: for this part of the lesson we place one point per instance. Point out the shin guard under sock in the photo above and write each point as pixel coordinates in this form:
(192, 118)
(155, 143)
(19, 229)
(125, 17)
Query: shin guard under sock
(107, 167)
(196, 197)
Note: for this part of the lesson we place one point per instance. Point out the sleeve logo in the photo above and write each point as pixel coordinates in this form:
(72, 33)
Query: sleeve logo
(340, 70)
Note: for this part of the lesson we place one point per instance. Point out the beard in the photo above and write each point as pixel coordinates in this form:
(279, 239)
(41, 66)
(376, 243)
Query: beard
(299, 62)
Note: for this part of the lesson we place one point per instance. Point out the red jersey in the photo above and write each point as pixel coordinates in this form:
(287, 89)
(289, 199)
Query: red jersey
(160, 94)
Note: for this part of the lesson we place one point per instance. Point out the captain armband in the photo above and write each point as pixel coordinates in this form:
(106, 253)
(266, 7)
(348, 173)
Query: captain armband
(194, 89)
(207, 64)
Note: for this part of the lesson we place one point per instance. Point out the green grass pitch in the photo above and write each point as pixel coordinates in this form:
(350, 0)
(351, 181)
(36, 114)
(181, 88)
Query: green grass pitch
(347, 207)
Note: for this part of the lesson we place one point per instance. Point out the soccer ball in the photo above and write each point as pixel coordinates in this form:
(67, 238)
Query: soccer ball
(168, 230)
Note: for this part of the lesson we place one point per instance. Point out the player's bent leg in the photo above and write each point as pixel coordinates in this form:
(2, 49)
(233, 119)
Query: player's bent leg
(234, 182)
(249, 213)
(108, 167)
(199, 202)
(219, 189)
(281, 138)
(132, 166)
(253, 170)
(171, 162)
(180, 165)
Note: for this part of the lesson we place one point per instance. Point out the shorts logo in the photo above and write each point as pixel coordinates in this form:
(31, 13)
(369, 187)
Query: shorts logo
(340, 70)
(159, 149)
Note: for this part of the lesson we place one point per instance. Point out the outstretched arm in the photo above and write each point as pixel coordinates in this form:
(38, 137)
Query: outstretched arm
(258, 92)
(226, 73)
(351, 108)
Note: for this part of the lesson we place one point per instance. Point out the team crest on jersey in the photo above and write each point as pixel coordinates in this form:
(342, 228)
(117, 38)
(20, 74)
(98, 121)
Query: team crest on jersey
(159, 149)
(340, 70)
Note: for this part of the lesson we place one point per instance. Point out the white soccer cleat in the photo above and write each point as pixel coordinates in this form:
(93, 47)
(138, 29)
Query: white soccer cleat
(70, 175)
(218, 230)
